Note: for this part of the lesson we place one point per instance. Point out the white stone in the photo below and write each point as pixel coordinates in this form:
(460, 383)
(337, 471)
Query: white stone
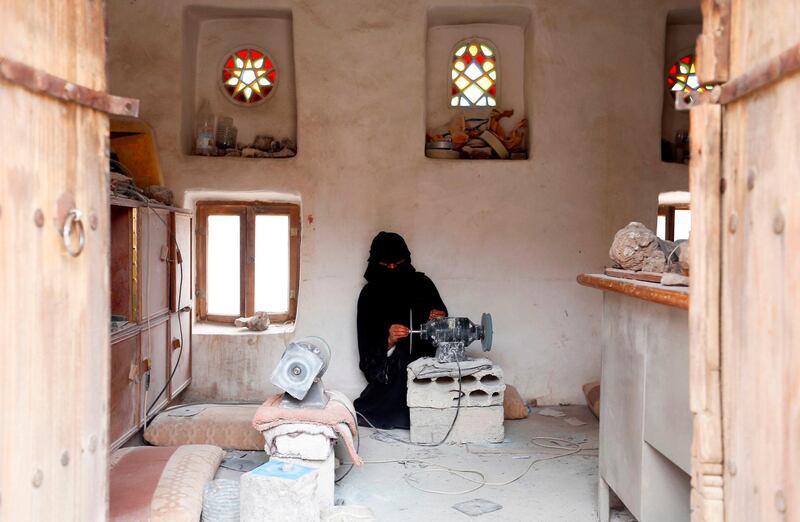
(474, 424)
(266, 495)
(325, 478)
(299, 440)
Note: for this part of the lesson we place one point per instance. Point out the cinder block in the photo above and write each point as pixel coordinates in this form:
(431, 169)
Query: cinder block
(484, 388)
(279, 490)
(479, 424)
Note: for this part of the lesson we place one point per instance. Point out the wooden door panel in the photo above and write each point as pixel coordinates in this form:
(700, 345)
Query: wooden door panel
(155, 346)
(154, 254)
(183, 373)
(54, 308)
(181, 272)
(125, 402)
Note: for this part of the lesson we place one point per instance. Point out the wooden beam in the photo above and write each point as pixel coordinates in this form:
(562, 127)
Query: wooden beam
(713, 44)
(41, 82)
(763, 74)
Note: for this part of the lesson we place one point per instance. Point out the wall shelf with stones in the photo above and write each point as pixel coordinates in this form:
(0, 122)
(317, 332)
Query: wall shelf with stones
(239, 95)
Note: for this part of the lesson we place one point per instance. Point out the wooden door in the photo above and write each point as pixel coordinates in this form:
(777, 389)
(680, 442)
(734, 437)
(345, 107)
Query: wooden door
(745, 303)
(126, 373)
(154, 249)
(155, 348)
(181, 351)
(54, 307)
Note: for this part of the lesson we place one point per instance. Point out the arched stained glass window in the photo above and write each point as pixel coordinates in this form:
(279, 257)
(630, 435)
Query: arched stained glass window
(682, 77)
(248, 76)
(473, 75)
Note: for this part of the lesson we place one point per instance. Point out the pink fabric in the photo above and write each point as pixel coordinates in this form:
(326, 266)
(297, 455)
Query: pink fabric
(334, 414)
(133, 480)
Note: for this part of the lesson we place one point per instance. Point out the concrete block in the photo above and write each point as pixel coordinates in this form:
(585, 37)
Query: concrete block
(279, 490)
(484, 388)
(479, 424)
(325, 478)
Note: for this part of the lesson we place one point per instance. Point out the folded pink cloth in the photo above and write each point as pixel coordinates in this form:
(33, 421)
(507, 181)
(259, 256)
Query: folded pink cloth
(335, 414)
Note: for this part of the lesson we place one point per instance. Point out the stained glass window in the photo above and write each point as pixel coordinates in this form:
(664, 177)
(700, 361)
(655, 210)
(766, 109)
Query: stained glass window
(473, 75)
(682, 77)
(248, 76)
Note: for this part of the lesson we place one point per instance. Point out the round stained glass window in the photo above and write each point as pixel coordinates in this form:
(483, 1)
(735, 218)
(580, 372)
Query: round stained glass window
(682, 77)
(248, 76)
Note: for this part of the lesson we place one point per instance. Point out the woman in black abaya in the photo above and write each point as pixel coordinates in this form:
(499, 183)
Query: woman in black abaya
(393, 288)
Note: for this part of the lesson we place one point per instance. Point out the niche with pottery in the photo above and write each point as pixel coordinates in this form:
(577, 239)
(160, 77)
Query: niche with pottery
(475, 83)
(239, 84)
(679, 79)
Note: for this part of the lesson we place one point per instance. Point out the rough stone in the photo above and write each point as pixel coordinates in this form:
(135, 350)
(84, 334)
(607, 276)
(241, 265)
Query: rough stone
(683, 256)
(325, 478)
(513, 405)
(279, 490)
(262, 143)
(477, 152)
(257, 322)
(250, 152)
(636, 247)
(288, 143)
(474, 424)
(283, 153)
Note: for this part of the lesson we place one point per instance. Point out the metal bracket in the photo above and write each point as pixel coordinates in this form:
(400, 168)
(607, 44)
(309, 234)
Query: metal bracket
(41, 82)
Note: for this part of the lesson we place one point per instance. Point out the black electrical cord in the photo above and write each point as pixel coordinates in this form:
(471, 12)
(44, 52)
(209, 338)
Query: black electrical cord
(426, 444)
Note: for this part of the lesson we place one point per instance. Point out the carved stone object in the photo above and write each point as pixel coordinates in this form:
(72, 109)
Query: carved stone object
(636, 247)
(258, 322)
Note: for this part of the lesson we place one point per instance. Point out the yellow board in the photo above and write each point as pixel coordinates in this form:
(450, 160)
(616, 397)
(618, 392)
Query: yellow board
(134, 142)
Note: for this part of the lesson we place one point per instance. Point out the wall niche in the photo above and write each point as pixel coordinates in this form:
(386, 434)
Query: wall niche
(683, 28)
(260, 100)
(475, 82)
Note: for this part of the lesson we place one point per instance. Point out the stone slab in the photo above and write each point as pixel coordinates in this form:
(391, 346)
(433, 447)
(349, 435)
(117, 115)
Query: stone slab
(474, 424)
(279, 490)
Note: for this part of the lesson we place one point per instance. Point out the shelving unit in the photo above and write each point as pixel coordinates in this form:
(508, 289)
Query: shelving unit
(150, 280)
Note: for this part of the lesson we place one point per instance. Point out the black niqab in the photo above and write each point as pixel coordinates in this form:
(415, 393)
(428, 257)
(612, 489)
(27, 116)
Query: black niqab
(387, 299)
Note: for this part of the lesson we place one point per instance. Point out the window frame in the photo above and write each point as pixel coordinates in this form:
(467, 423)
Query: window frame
(247, 212)
(451, 58)
(668, 211)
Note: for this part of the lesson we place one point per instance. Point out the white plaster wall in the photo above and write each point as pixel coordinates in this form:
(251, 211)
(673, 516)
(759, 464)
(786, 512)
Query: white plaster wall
(503, 237)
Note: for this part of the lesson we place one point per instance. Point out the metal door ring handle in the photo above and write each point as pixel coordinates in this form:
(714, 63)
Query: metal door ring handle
(73, 220)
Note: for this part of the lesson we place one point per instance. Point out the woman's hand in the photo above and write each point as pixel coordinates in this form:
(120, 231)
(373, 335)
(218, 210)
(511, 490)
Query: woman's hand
(396, 331)
(435, 314)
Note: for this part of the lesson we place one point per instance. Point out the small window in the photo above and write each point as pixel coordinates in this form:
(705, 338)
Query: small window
(248, 76)
(674, 222)
(473, 75)
(682, 77)
(248, 260)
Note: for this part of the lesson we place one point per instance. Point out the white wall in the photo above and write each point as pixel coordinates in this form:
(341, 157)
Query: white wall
(503, 237)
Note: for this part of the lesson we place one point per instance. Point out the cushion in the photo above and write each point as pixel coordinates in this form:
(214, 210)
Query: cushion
(227, 426)
(160, 484)
(513, 405)
(592, 392)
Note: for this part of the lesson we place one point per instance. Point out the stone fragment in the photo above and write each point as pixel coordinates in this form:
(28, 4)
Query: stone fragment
(160, 194)
(480, 424)
(279, 490)
(250, 152)
(262, 142)
(258, 322)
(275, 147)
(288, 143)
(283, 153)
(683, 257)
(325, 478)
(636, 247)
(477, 152)
(671, 279)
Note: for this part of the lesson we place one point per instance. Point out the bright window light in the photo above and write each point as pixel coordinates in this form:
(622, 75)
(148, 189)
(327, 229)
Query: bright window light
(223, 266)
(272, 264)
(683, 223)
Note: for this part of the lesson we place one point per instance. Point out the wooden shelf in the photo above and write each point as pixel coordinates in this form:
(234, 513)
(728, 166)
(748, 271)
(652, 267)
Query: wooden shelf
(135, 203)
(653, 292)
